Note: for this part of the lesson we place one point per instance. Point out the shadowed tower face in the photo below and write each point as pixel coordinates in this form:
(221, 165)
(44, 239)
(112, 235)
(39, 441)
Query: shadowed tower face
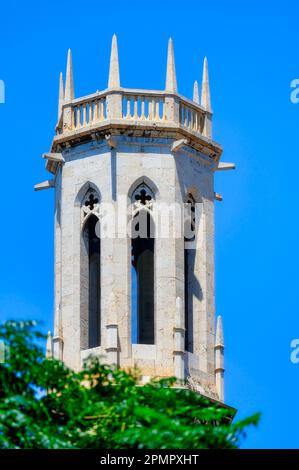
(133, 172)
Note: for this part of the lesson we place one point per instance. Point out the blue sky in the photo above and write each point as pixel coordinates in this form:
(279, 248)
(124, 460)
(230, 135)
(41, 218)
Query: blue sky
(253, 57)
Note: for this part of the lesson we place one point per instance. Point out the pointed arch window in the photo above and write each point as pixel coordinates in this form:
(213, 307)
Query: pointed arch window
(92, 264)
(189, 261)
(143, 267)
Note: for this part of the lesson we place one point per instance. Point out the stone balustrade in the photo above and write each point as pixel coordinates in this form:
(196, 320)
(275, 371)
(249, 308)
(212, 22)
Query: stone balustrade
(135, 106)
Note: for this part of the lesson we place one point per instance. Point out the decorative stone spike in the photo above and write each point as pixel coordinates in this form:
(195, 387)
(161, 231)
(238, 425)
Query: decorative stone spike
(112, 343)
(219, 332)
(195, 93)
(49, 346)
(61, 95)
(171, 83)
(219, 359)
(179, 341)
(205, 88)
(58, 339)
(69, 81)
(114, 80)
(179, 318)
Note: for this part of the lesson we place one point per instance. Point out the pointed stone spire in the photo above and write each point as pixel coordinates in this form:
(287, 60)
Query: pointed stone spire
(171, 83)
(114, 80)
(179, 318)
(61, 95)
(195, 93)
(179, 342)
(69, 81)
(205, 87)
(219, 332)
(58, 339)
(49, 346)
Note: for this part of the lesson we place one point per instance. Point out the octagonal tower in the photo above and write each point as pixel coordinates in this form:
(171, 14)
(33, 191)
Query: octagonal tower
(123, 159)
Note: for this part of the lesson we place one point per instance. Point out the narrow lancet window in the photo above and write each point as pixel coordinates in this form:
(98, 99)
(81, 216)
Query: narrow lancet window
(143, 266)
(189, 260)
(93, 245)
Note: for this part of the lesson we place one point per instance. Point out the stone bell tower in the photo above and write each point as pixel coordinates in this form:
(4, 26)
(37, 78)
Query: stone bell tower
(126, 161)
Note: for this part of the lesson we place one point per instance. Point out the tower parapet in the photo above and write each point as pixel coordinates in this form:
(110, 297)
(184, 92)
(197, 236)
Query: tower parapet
(135, 111)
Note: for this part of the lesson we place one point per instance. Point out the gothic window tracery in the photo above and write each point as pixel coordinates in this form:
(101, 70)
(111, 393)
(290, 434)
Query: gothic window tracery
(142, 197)
(90, 204)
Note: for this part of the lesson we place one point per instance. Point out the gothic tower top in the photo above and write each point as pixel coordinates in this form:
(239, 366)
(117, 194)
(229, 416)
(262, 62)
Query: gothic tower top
(135, 112)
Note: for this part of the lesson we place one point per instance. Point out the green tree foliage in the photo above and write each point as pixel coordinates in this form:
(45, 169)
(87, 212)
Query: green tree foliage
(43, 404)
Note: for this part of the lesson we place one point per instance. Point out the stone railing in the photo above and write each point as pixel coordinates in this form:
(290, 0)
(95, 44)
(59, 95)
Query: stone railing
(86, 113)
(138, 106)
(143, 106)
(191, 116)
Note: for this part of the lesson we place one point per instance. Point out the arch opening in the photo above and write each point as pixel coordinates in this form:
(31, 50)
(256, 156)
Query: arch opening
(189, 262)
(143, 277)
(93, 253)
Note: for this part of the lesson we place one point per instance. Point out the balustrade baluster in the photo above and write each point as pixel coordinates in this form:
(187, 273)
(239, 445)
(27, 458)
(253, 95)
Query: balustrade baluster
(73, 118)
(150, 109)
(79, 117)
(157, 109)
(89, 118)
(185, 116)
(93, 111)
(136, 107)
(102, 109)
(128, 116)
(96, 111)
(142, 108)
(84, 115)
(195, 127)
(191, 119)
